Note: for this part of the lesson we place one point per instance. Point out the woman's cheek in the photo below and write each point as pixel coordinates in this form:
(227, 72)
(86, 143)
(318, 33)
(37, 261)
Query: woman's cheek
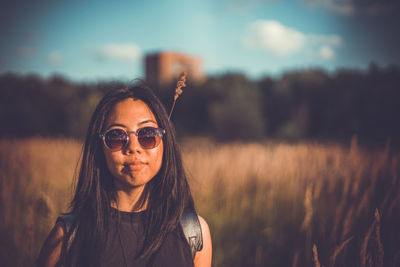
(159, 157)
(113, 164)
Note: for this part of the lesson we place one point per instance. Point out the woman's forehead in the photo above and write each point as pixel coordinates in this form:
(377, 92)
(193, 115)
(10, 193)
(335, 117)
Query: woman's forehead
(131, 111)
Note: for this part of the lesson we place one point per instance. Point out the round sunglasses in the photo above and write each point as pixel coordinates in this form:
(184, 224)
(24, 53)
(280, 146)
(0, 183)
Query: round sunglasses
(117, 138)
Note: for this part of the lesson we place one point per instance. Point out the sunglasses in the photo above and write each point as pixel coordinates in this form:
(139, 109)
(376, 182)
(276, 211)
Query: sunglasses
(117, 139)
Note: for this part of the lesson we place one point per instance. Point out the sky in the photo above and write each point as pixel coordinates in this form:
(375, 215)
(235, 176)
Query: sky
(96, 39)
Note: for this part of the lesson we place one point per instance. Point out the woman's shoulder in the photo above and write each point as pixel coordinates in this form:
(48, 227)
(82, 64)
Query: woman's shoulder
(51, 250)
(203, 224)
(203, 257)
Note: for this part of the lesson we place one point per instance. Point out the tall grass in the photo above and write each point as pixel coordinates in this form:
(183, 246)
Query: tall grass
(266, 204)
(35, 179)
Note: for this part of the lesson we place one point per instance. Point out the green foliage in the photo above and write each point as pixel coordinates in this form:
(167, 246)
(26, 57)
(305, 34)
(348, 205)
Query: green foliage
(234, 108)
(30, 105)
(191, 115)
(307, 104)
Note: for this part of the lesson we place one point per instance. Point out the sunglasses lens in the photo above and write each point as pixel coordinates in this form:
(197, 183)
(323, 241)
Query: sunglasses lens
(116, 139)
(149, 137)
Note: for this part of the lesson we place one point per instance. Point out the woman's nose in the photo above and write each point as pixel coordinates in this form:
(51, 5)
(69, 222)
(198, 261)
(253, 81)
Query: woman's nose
(133, 144)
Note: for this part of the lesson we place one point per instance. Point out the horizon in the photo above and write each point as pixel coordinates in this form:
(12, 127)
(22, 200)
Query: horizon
(275, 76)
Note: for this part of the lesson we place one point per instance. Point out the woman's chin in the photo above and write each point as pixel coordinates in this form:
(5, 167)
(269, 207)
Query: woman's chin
(130, 182)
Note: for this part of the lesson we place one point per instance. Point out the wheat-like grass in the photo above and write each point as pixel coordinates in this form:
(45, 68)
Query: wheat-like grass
(178, 90)
(315, 256)
(267, 204)
(366, 257)
(338, 250)
(378, 239)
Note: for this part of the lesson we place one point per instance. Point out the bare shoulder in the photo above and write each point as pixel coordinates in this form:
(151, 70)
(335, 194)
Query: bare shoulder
(51, 250)
(203, 257)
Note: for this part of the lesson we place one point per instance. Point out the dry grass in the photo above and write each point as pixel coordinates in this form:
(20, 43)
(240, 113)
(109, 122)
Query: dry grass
(178, 90)
(35, 179)
(269, 203)
(266, 204)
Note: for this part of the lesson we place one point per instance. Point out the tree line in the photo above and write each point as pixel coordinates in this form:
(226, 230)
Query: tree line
(305, 104)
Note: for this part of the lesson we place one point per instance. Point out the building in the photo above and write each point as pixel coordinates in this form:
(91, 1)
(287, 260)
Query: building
(164, 68)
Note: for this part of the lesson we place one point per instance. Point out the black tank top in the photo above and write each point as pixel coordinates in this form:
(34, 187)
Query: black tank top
(125, 243)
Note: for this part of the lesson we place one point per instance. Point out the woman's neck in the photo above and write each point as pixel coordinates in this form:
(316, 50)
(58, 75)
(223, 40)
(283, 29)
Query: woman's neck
(128, 200)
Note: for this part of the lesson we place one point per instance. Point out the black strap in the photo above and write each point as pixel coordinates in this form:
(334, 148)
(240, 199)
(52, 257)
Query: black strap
(67, 222)
(190, 225)
(192, 229)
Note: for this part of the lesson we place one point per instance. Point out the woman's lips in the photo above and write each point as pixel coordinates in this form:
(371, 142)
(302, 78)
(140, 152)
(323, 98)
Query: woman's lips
(134, 166)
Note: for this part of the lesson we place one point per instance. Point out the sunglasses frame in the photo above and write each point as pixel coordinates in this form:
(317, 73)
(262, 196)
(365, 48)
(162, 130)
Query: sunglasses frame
(160, 131)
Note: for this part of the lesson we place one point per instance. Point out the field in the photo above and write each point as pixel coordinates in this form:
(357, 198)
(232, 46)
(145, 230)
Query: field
(269, 204)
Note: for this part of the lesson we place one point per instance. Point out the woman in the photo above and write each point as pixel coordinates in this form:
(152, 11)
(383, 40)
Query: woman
(131, 192)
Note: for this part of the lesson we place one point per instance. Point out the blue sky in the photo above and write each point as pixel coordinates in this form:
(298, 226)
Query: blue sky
(89, 40)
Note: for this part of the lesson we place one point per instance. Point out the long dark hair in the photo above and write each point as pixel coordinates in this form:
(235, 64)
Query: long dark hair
(167, 194)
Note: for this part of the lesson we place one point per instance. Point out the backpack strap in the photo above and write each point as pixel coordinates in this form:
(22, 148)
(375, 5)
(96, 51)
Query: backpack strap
(189, 222)
(192, 230)
(67, 222)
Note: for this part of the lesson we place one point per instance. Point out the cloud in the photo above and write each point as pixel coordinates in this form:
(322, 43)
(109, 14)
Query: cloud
(124, 52)
(278, 39)
(351, 7)
(333, 39)
(54, 57)
(326, 52)
(274, 37)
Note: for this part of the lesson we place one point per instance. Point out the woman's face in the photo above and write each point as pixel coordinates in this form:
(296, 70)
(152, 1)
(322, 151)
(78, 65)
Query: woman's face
(132, 166)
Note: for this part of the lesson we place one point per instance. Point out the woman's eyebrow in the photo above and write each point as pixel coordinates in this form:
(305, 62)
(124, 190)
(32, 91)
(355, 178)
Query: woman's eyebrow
(146, 121)
(124, 126)
(117, 124)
